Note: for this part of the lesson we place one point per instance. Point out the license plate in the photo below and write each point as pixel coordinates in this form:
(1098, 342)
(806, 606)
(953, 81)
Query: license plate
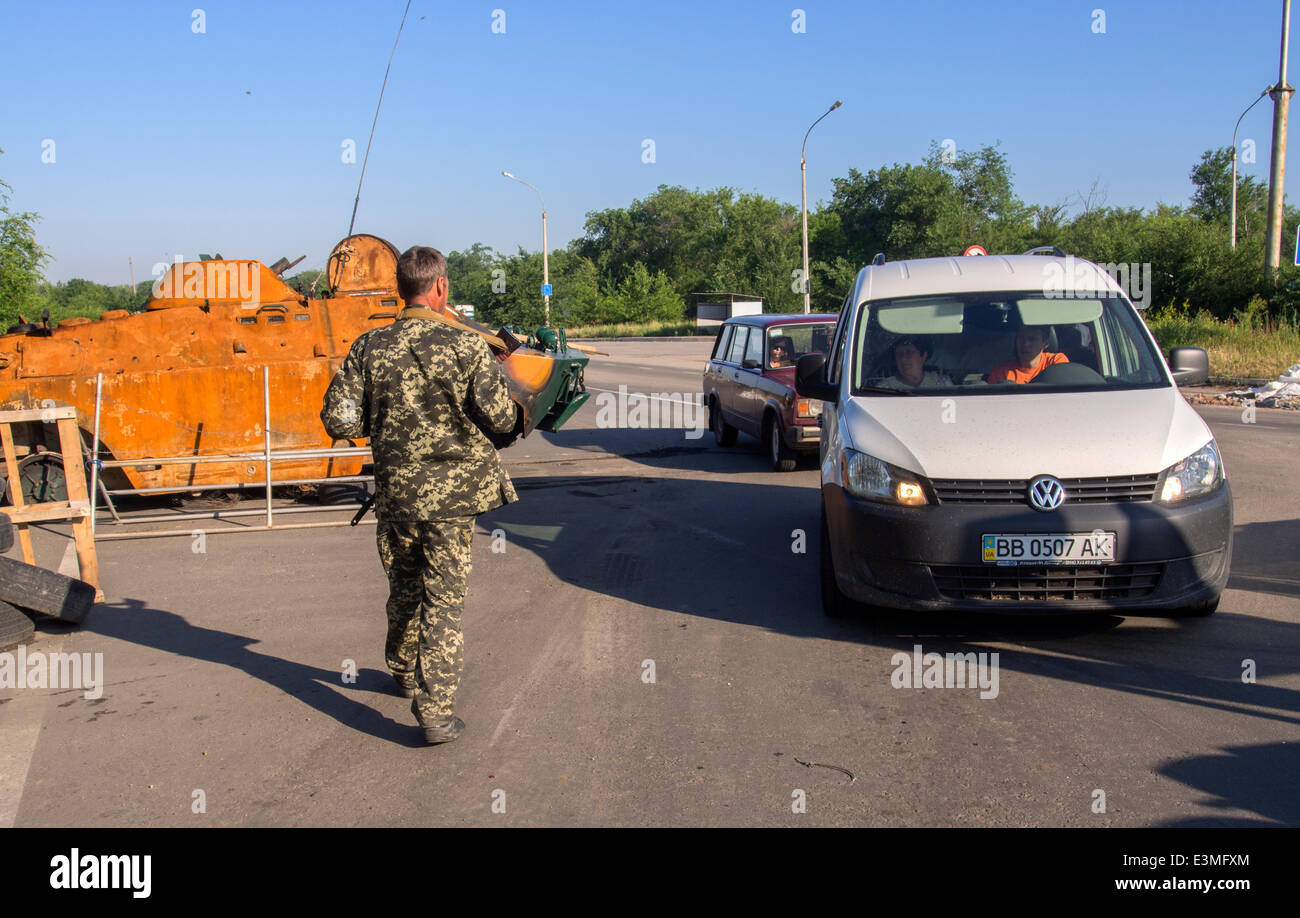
(1048, 548)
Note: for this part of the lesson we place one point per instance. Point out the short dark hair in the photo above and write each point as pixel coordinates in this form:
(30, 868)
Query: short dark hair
(417, 269)
(920, 342)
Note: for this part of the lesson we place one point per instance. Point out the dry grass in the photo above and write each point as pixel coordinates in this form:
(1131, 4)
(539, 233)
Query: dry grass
(640, 330)
(1252, 344)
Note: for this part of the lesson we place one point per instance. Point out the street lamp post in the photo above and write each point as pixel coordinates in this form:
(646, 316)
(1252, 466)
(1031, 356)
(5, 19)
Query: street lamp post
(546, 266)
(803, 174)
(1234, 165)
(1281, 94)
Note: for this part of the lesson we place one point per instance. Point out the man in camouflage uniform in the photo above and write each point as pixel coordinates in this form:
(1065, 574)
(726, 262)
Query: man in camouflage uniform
(427, 394)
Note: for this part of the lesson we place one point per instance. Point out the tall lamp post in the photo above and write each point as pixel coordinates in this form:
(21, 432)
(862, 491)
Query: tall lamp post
(1281, 94)
(1234, 164)
(803, 173)
(546, 268)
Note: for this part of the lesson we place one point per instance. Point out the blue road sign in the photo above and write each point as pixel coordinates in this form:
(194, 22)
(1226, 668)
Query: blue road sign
(546, 288)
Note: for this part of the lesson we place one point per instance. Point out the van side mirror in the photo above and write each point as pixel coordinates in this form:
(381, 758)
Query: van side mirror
(810, 379)
(1190, 366)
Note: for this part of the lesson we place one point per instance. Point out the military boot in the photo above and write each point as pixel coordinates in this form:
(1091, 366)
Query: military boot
(443, 731)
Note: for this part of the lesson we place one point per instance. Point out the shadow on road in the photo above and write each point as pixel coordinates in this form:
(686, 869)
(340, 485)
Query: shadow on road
(1264, 558)
(671, 449)
(1257, 778)
(747, 554)
(135, 621)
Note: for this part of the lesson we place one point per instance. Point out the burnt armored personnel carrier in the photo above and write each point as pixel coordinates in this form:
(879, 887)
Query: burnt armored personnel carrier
(185, 377)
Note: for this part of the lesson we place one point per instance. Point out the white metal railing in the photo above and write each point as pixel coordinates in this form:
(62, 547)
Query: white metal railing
(266, 456)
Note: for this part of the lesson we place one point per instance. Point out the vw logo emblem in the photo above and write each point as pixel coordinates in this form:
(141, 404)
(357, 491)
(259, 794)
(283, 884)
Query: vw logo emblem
(1046, 493)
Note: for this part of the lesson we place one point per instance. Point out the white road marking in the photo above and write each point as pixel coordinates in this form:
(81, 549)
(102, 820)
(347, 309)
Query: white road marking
(544, 661)
(20, 723)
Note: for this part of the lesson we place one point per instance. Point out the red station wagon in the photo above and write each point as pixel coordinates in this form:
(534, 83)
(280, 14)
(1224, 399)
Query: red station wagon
(749, 383)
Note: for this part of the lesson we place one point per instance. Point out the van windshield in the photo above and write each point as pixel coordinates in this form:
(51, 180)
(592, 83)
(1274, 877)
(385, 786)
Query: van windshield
(1002, 343)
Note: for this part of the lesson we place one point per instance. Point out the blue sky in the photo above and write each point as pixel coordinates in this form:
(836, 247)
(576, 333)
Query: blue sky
(168, 141)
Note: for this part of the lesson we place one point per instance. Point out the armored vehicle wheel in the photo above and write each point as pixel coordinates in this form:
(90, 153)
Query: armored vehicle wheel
(210, 500)
(344, 493)
(41, 478)
(14, 626)
(34, 588)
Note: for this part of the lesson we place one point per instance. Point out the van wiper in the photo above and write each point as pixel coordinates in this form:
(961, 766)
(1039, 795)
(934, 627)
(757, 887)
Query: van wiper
(879, 390)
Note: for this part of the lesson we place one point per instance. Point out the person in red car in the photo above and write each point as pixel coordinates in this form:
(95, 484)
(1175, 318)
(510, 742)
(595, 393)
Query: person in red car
(1031, 357)
(781, 352)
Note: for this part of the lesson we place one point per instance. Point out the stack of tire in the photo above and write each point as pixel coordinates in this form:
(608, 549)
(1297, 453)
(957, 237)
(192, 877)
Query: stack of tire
(30, 589)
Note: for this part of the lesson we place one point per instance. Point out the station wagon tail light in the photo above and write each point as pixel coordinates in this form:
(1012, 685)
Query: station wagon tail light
(869, 478)
(808, 408)
(1200, 473)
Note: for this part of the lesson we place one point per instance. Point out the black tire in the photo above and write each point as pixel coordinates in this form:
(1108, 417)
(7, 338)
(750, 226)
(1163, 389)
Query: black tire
(781, 456)
(38, 590)
(345, 493)
(211, 500)
(1204, 610)
(14, 626)
(41, 478)
(723, 433)
(6, 532)
(834, 603)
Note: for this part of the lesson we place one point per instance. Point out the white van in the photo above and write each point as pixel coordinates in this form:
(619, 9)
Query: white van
(1002, 433)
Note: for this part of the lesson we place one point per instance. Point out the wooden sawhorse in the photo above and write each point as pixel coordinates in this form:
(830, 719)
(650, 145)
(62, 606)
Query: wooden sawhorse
(75, 508)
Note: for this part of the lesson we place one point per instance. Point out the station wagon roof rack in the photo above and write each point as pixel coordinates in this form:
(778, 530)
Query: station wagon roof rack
(1047, 250)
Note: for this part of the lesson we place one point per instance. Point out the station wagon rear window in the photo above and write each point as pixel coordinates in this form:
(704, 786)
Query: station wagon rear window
(794, 341)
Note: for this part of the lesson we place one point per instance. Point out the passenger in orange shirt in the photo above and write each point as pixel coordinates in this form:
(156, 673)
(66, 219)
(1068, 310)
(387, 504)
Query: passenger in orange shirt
(1031, 359)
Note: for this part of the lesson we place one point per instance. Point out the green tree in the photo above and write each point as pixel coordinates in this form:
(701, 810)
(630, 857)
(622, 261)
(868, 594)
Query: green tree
(700, 241)
(515, 297)
(1212, 198)
(21, 260)
(643, 297)
(469, 275)
(312, 284)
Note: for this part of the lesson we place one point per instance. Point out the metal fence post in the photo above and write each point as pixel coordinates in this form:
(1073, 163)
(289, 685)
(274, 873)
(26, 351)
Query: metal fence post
(266, 421)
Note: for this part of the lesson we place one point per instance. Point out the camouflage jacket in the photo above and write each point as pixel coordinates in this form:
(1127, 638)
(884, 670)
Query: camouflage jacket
(425, 392)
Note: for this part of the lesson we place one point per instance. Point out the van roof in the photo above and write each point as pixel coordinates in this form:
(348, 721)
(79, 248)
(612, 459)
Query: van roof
(982, 274)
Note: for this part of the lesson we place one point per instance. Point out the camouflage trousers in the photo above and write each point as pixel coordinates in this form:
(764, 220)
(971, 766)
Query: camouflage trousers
(427, 564)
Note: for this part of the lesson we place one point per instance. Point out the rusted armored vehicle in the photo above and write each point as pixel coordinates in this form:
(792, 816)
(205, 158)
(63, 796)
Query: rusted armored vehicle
(185, 377)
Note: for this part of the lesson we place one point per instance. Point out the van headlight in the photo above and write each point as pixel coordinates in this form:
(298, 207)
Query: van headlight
(869, 478)
(1200, 473)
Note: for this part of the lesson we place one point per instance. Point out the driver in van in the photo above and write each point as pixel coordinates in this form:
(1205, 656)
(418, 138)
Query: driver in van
(1031, 357)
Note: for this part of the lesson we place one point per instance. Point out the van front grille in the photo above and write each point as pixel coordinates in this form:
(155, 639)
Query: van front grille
(1115, 489)
(1046, 584)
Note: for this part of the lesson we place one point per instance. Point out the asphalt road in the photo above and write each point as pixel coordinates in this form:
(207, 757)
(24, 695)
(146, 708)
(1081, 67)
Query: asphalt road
(640, 553)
